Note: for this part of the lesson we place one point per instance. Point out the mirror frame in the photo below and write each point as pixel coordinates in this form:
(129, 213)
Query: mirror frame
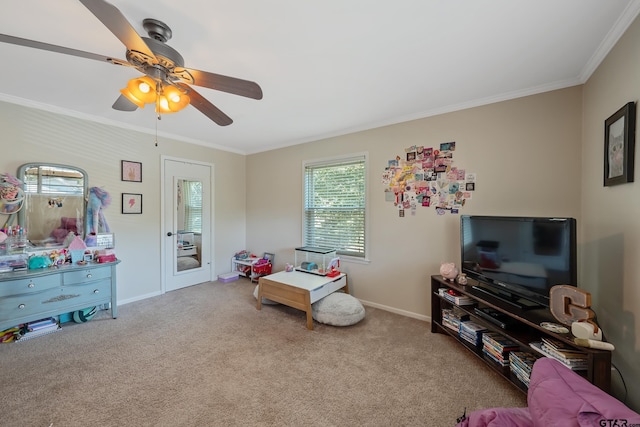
(85, 190)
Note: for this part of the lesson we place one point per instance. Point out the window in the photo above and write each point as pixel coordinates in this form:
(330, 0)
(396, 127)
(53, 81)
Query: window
(193, 206)
(54, 180)
(335, 205)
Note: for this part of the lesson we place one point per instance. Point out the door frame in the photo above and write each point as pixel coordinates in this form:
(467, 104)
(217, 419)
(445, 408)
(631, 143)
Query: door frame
(163, 240)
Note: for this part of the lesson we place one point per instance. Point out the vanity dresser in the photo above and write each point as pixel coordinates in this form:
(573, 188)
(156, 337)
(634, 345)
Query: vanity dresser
(30, 295)
(52, 213)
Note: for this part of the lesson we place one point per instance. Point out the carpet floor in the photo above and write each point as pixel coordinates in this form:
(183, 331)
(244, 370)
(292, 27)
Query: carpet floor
(204, 356)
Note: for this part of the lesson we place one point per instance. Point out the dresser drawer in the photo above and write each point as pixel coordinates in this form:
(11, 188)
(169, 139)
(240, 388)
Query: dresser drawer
(89, 294)
(327, 288)
(65, 298)
(29, 285)
(86, 275)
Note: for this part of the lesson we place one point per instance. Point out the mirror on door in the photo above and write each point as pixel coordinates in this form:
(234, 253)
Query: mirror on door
(189, 222)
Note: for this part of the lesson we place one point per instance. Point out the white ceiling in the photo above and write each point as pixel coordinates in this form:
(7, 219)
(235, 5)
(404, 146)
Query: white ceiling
(326, 68)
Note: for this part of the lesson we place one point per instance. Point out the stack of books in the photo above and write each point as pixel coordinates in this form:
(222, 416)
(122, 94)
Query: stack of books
(498, 347)
(451, 318)
(10, 335)
(472, 332)
(455, 297)
(570, 357)
(521, 364)
(38, 328)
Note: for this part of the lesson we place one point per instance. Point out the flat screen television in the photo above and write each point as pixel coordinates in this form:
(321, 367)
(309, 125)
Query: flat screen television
(519, 259)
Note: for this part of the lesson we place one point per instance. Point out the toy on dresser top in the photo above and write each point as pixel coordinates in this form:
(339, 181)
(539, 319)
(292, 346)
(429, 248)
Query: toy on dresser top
(105, 255)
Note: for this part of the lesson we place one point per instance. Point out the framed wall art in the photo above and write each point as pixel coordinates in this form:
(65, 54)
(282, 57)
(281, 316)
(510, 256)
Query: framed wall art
(131, 203)
(131, 171)
(619, 145)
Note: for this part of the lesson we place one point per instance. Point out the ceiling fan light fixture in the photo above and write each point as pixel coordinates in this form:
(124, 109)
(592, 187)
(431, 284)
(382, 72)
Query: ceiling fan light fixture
(172, 100)
(162, 106)
(166, 106)
(140, 91)
(143, 88)
(177, 98)
(127, 93)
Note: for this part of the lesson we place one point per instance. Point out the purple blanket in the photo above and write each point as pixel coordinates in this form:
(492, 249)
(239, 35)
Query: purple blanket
(557, 396)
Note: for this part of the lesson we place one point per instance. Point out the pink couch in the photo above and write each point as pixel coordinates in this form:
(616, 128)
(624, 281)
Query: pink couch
(557, 396)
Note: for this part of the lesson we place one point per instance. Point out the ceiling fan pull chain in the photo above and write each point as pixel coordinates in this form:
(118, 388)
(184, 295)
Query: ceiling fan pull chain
(158, 112)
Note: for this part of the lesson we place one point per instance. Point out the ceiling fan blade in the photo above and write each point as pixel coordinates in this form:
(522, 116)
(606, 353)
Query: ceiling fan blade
(115, 21)
(219, 82)
(205, 107)
(123, 104)
(53, 48)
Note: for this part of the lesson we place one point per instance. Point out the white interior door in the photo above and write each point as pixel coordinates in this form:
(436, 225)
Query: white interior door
(187, 233)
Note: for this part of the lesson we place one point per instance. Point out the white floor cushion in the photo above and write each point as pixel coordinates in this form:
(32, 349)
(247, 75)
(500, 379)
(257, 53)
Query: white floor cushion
(264, 300)
(338, 309)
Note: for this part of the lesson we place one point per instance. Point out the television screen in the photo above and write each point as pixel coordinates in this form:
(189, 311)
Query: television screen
(519, 257)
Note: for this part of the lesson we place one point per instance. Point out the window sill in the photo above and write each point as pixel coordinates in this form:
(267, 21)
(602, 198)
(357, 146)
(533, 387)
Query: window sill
(354, 260)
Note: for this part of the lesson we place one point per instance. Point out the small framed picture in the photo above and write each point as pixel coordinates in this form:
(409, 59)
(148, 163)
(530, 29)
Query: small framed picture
(619, 145)
(88, 257)
(105, 240)
(131, 203)
(131, 171)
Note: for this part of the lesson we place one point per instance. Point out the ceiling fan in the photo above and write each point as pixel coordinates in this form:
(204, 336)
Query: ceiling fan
(166, 82)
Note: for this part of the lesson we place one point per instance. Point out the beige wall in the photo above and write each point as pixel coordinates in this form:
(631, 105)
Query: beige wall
(526, 154)
(32, 135)
(539, 155)
(610, 215)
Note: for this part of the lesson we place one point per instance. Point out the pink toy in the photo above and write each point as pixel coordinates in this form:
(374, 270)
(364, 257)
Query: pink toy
(449, 270)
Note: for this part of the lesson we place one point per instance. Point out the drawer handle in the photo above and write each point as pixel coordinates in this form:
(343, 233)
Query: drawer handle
(96, 291)
(88, 275)
(31, 285)
(21, 306)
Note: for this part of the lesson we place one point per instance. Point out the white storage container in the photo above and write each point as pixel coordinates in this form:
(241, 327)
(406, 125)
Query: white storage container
(228, 277)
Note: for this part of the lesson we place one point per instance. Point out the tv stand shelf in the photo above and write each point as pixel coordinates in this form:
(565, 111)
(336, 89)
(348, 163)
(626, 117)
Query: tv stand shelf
(524, 327)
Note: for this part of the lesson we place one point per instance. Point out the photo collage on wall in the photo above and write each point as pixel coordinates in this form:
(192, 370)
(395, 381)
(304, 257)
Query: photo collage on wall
(426, 177)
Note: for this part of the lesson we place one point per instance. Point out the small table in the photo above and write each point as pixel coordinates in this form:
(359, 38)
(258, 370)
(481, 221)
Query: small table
(298, 289)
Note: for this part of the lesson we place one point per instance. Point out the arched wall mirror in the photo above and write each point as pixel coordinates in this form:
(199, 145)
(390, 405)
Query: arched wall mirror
(55, 202)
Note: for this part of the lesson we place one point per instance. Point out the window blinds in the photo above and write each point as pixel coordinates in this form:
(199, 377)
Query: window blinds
(334, 206)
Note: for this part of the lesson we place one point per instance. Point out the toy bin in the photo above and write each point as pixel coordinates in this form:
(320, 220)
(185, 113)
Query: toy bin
(314, 260)
(262, 269)
(228, 277)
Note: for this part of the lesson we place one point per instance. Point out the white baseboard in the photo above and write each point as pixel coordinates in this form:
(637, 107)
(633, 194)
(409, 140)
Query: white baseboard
(139, 298)
(367, 303)
(396, 311)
